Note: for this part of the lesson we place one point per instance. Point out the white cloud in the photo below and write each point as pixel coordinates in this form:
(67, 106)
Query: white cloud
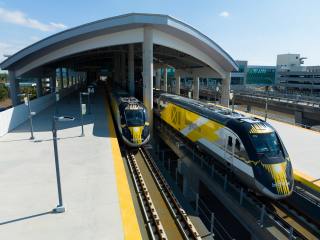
(224, 14)
(34, 38)
(9, 49)
(20, 18)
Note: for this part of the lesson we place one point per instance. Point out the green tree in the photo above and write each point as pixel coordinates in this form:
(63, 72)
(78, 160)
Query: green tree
(4, 93)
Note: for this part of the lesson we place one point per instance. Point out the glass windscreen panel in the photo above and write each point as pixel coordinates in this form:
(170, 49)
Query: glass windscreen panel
(267, 144)
(135, 117)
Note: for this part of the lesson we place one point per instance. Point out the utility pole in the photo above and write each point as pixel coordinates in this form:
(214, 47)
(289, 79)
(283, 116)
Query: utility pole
(60, 208)
(266, 106)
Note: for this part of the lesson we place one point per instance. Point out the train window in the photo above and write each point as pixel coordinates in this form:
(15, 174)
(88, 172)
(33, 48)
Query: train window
(267, 144)
(135, 117)
(230, 141)
(237, 145)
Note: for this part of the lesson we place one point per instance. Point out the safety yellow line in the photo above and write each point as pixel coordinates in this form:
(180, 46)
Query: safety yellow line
(129, 218)
(307, 180)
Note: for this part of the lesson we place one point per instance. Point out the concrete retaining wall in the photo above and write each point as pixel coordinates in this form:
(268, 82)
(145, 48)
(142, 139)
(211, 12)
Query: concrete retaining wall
(13, 117)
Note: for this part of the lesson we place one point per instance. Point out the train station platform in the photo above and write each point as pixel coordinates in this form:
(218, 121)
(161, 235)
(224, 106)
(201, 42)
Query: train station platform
(95, 189)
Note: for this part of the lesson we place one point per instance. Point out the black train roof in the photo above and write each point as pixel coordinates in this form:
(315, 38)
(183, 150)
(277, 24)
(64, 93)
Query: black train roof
(127, 102)
(224, 116)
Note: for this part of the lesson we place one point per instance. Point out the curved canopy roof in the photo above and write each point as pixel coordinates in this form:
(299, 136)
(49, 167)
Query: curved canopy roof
(163, 23)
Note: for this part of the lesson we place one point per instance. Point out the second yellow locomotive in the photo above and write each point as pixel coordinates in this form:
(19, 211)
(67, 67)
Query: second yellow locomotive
(131, 118)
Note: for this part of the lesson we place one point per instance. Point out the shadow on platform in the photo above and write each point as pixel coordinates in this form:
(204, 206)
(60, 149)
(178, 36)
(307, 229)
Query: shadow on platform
(25, 218)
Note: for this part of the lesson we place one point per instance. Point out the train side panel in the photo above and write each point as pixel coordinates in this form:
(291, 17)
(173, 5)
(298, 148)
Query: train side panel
(210, 135)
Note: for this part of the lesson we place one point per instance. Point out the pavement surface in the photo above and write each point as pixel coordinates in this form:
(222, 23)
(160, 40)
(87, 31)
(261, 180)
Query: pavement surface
(89, 185)
(303, 146)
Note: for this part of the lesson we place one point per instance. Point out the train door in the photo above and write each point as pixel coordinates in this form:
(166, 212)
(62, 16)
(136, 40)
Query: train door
(229, 149)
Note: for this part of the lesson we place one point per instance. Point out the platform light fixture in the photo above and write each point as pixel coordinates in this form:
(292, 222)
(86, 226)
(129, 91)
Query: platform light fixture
(216, 93)
(90, 91)
(57, 99)
(232, 97)
(59, 208)
(26, 97)
(82, 109)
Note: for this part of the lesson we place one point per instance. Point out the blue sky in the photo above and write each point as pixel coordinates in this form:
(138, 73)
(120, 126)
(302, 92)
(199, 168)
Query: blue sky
(253, 30)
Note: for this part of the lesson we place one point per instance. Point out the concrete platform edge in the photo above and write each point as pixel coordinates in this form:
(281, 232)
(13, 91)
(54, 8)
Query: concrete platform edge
(128, 215)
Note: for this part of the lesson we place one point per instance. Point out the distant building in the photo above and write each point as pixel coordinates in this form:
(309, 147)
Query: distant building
(253, 75)
(293, 77)
(239, 77)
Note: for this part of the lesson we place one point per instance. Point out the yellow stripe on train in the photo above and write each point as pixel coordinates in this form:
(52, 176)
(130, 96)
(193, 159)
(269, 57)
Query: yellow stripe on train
(136, 133)
(190, 124)
(278, 173)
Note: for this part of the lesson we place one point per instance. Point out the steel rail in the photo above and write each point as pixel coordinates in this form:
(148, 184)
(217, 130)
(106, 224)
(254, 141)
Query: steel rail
(151, 216)
(182, 220)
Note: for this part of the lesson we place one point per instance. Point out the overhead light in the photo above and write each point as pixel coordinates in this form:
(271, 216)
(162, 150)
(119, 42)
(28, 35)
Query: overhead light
(64, 118)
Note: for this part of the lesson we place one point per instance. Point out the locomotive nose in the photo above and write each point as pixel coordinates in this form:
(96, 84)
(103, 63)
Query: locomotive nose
(136, 133)
(278, 177)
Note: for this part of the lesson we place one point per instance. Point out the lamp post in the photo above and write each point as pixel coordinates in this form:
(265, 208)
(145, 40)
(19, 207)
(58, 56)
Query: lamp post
(27, 102)
(90, 90)
(215, 97)
(266, 106)
(82, 109)
(56, 102)
(60, 208)
(232, 96)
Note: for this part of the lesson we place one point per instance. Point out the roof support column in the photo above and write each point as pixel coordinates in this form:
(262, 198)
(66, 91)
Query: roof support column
(67, 76)
(61, 79)
(131, 70)
(39, 87)
(158, 78)
(225, 90)
(53, 83)
(148, 72)
(165, 79)
(14, 88)
(178, 82)
(196, 87)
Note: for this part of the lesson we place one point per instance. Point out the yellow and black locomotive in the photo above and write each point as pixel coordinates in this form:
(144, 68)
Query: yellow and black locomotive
(249, 146)
(131, 118)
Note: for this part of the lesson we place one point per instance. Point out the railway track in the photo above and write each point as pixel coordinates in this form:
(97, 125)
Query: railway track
(163, 214)
(164, 217)
(291, 220)
(287, 219)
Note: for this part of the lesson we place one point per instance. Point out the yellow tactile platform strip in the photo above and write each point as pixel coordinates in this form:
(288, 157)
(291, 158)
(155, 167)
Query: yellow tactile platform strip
(307, 180)
(128, 215)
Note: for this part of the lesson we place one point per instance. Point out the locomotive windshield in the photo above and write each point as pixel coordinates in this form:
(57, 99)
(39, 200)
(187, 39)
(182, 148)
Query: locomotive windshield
(266, 143)
(135, 117)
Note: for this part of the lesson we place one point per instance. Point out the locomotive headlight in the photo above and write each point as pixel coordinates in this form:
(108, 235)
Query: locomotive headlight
(277, 168)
